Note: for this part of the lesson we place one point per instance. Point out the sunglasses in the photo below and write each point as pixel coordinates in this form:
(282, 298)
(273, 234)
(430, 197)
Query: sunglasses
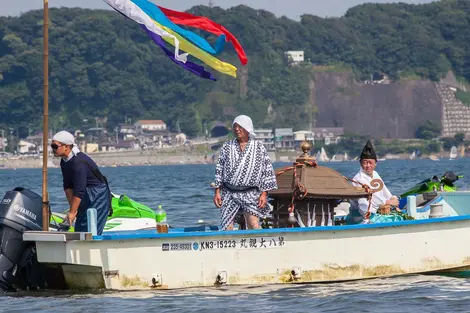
(55, 147)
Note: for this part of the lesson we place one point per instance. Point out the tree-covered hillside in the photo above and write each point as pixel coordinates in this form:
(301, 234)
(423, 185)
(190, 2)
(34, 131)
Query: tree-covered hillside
(103, 65)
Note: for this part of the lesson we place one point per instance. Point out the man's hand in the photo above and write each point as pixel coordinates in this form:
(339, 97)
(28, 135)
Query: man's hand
(217, 198)
(71, 216)
(263, 200)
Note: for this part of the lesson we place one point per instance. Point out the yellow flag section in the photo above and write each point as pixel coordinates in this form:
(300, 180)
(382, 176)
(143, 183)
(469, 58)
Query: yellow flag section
(205, 57)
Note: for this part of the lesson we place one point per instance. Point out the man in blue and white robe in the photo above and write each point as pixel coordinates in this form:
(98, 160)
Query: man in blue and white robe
(244, 175)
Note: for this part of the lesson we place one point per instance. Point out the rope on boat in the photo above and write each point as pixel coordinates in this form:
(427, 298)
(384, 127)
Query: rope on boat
(299, 191)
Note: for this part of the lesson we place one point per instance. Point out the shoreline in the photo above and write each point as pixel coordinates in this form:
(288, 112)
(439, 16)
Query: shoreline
(155, 157)
(114, 160)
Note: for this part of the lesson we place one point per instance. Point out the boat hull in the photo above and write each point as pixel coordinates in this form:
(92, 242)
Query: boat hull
(191, 258)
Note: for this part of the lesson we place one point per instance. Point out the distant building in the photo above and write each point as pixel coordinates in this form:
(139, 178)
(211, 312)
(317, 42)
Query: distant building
(266, 137)
(301, 135)
(329, 135)
(26, 147)
(295, 56)
(284, 139)
(3, 143)
(150, 126)
(121, 146)
(94, 134)
(91, 147)
(127, 131)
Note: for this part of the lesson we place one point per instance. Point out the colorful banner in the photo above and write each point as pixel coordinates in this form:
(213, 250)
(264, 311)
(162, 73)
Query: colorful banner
(161, 26)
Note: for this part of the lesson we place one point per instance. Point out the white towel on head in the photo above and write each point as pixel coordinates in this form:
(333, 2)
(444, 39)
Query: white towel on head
(246, 123)
(67, 139)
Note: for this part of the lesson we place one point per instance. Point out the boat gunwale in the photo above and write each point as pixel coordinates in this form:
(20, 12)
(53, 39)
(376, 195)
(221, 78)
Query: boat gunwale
(152, 234)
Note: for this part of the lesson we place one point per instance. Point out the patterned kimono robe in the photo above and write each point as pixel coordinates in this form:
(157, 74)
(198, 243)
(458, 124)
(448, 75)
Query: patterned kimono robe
(249, 168)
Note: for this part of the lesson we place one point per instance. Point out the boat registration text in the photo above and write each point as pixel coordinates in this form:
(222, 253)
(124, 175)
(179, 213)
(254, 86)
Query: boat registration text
(243, 243)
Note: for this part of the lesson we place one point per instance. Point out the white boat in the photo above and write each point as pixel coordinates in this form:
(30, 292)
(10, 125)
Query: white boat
(205, 256)
(323, 251)
(318, 156)
(322, 156)
(191, 257)
(336, 159)
(453, 153)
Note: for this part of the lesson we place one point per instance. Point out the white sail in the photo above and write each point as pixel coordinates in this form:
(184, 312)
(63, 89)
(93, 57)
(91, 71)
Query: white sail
(323, 156)
(453, 153)
(318, 156)
(413, 156)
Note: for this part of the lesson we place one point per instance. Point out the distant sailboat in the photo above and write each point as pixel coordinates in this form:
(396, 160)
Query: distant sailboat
(335, 159)
(413, 156)
(453, 153)
(323, 156)
(317, 156)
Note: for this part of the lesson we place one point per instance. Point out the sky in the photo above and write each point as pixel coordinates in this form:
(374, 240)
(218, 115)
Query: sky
(290, 8)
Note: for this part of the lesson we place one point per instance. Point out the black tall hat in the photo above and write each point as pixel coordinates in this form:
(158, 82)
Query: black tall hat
(368, 152)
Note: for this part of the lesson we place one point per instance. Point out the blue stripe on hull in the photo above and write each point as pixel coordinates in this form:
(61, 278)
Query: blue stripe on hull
(214, 232)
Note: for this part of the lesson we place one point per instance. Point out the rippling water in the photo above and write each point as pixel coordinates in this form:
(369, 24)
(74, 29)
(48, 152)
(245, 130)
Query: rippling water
(184, 192)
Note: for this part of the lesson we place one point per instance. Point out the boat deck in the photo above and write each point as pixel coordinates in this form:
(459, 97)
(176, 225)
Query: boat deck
(213, 231)
(456, 208)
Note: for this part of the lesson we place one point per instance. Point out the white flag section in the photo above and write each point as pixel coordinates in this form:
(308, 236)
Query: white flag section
(132, 11)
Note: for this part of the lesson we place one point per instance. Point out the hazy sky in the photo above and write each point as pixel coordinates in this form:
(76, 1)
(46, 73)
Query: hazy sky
(290, 8)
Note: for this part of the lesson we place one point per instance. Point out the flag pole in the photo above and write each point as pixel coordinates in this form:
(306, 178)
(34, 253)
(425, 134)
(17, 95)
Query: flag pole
(45, 141)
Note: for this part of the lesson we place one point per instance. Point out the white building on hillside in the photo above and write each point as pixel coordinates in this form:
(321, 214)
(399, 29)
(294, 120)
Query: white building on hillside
(295, 56)
(26, 147)
(266, 137)
(150, 126)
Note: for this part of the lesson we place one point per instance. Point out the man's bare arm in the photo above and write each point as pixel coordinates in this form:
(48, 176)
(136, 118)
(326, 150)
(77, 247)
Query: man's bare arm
(69, 195)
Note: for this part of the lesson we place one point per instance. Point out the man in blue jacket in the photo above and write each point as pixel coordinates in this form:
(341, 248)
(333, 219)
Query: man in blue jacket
(84, 185)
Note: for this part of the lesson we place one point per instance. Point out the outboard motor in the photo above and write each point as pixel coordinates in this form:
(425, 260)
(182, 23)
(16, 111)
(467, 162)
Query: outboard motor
(20, 211)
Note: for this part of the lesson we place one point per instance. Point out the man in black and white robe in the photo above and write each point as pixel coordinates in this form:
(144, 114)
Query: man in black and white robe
(244, 175)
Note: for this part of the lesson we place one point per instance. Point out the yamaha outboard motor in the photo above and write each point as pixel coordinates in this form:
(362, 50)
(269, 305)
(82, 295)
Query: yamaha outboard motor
(20, 211)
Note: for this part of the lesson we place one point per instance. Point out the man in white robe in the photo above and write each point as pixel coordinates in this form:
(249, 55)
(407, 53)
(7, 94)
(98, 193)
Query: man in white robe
(244, 175)
(381, 200)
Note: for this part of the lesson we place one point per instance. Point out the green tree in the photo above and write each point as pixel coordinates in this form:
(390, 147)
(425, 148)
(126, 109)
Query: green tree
(448, 142)
(103, 65)
(459, 138)
(428, 130)
(434, 147)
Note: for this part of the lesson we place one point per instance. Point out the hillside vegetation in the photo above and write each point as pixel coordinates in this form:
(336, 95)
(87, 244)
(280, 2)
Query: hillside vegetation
(103, 65)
